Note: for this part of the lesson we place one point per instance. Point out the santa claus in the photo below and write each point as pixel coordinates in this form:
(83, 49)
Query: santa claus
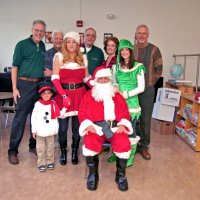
(104, 116)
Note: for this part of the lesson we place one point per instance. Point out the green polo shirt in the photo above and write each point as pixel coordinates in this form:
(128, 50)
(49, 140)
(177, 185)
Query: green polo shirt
(95, 58)
(29, 58)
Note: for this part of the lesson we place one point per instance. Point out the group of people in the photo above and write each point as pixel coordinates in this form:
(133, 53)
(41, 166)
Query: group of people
(108, 100)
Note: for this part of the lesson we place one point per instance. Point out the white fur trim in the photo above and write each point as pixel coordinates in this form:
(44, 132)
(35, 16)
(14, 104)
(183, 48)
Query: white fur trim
(82, 49)
(55, 76)
(74, 35)
(109, 109)
(134, 140)
(60, 57)
(84, 124)
(86, 79)
(71, 66)
(124, 155)
(103, 73)
(71, 113)
(87, 152)
(127, 124)
(87, 123)
(135, 110)
(91, 82)
(85, 60)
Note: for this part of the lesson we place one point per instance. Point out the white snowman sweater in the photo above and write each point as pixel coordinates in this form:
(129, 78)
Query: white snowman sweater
(41, 122)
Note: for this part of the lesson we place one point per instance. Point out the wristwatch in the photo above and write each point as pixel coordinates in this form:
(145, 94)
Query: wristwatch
(64, 96)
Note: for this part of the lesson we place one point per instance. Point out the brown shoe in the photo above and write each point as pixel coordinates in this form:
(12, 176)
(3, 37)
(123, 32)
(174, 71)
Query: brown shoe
(145, 154)
(13, 159)
(33, 150)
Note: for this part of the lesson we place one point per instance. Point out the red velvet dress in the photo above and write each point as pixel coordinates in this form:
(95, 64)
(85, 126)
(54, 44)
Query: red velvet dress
(72, 73)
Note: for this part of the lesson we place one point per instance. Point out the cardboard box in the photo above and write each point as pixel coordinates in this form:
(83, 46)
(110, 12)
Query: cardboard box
(168, 96)
(162, 127)
(163, 112)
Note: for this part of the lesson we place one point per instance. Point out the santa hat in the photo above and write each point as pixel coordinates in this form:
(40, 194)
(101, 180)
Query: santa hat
(74, 35)
(42, 86)
(123, 44)
(99, 72)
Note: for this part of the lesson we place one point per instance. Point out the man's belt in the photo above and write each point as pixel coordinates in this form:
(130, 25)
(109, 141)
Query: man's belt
(71, 86)
(35, 80)
(112, 123)
(106, 127)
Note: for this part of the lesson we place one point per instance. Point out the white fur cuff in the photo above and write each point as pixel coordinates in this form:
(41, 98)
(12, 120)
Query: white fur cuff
(127, 124)
(55, 76)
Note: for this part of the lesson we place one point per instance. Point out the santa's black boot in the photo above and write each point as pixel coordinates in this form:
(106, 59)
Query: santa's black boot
(121, 179)
(93, 177)
(63, 157)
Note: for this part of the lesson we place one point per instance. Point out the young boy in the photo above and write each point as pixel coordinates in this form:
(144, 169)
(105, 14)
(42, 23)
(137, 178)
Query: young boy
(44, 123)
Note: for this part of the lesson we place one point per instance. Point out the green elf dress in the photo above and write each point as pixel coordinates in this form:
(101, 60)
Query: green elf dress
(127, 82)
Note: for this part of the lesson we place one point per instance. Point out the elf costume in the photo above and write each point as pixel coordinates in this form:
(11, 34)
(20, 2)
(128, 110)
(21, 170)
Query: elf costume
(130, 82)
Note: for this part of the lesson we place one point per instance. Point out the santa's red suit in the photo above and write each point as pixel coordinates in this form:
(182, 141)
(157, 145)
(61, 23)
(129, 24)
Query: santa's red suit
(91, 111)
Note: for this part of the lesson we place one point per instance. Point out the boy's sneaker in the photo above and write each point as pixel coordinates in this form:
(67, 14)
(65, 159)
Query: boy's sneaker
(42, 168)
(51, 166)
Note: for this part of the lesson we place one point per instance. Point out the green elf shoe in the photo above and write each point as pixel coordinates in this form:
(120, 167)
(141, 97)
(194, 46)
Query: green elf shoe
(112, 158)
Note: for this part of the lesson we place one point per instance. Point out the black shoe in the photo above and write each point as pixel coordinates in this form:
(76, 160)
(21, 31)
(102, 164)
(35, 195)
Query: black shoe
(122, 183)
(13, 159)
(63, 157)
(33, 150)
(74, 156)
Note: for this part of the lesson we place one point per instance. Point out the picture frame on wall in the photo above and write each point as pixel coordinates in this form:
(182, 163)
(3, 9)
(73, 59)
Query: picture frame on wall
(81, 38)
(48, 37)
(106, 35)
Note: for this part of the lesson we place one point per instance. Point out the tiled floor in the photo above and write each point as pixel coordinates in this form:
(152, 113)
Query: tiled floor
(173, 173)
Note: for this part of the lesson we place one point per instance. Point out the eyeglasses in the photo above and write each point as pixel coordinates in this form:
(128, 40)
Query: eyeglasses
(142, 33)
(38, 31)
(91, 35)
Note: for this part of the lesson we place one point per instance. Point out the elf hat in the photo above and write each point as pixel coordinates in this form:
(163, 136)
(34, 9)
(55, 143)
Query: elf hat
(125, 44)
(42, 86)
(99, 72)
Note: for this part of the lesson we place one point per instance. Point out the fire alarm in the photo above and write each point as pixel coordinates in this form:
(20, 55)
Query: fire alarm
(79, 23)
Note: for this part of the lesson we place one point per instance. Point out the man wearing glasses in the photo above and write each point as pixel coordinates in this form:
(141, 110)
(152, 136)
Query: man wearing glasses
(94, 54)
(151, 57)
(27, 71)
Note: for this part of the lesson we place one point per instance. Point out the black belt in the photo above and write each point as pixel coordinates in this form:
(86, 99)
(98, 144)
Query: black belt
(112, 124)
(72, 86)
(106, 127)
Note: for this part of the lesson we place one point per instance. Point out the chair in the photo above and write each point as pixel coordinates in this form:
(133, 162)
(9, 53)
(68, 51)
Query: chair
(7, 106)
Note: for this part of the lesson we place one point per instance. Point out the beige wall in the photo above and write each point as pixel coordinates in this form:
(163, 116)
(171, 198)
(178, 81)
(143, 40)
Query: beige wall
(174, 24)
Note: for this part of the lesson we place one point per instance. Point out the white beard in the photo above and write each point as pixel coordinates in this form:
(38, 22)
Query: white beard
(103, 91)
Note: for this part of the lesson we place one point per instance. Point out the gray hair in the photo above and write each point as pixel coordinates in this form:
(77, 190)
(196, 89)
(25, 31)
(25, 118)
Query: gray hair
(56, 31)
(142, 26)
(39, 21)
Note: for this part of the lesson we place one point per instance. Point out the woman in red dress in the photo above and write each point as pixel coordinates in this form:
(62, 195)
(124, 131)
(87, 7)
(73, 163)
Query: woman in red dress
(69, 72)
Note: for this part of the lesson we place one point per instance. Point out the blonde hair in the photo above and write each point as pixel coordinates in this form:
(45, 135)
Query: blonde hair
(66, 57)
